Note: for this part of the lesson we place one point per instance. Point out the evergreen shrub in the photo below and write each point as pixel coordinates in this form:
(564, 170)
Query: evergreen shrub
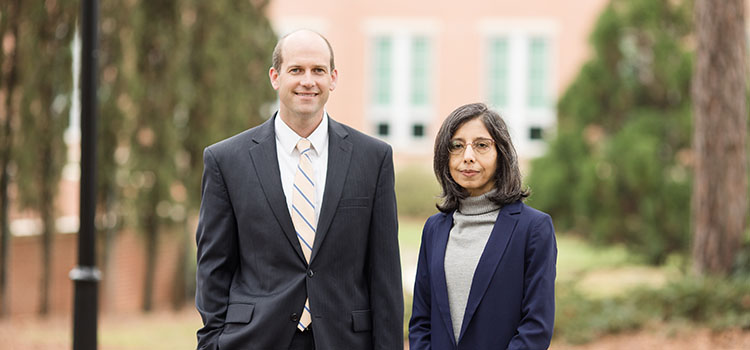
(619, 167)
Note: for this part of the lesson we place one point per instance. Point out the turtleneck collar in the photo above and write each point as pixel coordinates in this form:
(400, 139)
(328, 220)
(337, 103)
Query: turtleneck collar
(478, 205)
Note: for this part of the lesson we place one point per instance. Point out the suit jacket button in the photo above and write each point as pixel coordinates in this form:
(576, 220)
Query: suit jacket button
(310, 273)
(294, 317)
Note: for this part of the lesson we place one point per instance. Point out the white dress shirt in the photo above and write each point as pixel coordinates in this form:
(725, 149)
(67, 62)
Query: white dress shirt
(288, 155)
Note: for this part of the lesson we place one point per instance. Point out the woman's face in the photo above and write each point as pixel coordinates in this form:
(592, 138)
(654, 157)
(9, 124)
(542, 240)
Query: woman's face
(473, 157)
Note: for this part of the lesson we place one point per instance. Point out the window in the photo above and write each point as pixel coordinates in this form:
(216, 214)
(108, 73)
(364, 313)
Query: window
(401, 95)
(418, 130)
(518, 77)
(383, 70)
(498, 72)
(419, 71)
(538, 72)
(383, 129)
(535, 133)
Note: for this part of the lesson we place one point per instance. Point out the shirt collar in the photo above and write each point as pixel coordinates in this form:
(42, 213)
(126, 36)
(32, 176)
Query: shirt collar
(288, 138)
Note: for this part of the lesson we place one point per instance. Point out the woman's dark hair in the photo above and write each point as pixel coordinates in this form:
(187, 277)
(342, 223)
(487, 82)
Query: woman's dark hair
(507, 174)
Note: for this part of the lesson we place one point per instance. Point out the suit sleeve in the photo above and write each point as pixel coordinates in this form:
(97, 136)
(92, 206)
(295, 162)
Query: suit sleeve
(538, 305)
(386, 293)
(216, 239)
(420, 326)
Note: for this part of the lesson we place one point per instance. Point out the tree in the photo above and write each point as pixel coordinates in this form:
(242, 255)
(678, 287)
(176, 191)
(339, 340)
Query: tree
(618, 169)
(719, 142)
(176, 76)
(227, 46)
(45, 77)
(9, 18)
(153, 142)
(117, 110)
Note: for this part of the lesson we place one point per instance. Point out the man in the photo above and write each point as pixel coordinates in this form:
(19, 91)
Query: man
(297, 238)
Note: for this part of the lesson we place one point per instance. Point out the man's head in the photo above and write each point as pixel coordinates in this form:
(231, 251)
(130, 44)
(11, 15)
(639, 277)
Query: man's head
(277, 57)
(303, 74)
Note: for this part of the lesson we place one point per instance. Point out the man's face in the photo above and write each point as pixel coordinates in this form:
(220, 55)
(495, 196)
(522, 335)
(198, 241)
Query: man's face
(305, 78)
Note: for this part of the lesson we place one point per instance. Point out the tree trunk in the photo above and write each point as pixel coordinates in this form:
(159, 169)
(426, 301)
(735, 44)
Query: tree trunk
(46, 211)
(108, 232)
(182, 275)
(151, 229)
(12, 11)
(720, 128)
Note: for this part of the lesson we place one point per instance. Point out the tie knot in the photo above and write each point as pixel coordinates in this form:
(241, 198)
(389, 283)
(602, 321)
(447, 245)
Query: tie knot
(303, 145)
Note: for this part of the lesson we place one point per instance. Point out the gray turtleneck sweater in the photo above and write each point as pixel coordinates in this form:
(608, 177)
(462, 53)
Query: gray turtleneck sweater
(472, 226)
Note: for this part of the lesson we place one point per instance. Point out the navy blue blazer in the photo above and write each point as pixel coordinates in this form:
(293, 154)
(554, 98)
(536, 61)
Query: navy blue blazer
(512, 297)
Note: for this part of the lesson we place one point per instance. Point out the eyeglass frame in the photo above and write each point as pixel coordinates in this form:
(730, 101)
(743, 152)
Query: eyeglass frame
(472, 144)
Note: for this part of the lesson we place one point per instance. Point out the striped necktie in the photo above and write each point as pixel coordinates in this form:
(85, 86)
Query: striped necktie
(303, 213)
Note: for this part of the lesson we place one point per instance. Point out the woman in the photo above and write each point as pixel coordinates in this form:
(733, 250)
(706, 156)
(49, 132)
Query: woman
(486, 272)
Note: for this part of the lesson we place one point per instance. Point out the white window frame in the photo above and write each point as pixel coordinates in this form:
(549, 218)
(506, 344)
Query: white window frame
(518, 114)
(401, 113)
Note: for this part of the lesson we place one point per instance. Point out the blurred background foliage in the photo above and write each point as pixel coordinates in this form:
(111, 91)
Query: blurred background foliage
(417, 192)
(719, 304)
(618, 169)
(181, 75)
(174, 77)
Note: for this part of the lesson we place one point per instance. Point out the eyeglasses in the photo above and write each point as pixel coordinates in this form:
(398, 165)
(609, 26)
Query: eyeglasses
(481, 146)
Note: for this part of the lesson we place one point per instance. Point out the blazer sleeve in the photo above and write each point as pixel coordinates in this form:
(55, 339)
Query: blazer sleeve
(386, 292)
(538, 304)
(217, 255)
(420, 325)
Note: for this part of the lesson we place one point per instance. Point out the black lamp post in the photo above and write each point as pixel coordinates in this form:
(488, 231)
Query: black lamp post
(86, 275)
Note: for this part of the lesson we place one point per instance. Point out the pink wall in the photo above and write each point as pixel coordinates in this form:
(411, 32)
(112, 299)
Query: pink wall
(458, 43)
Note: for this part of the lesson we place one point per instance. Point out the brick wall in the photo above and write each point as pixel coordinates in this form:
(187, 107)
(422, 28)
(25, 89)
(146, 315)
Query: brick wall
(121, 288)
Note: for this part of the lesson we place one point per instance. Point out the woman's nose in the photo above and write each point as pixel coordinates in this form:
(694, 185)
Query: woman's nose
(469, 153)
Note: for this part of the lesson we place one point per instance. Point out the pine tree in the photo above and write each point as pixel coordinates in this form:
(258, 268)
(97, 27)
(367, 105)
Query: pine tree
(153, 142)
(619, 167)
(117, 110)
(227, 49)
(176, 76)
(46, 81)
(9, 23)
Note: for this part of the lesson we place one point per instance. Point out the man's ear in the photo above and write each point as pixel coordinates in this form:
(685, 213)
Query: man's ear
(334, 79)
(273, 75)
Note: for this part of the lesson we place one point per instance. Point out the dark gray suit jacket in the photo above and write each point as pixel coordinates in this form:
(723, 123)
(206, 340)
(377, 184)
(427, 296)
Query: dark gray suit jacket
(251, 274)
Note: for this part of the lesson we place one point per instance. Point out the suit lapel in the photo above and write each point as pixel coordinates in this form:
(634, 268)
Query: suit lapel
(339, 156)
(491, 256)
(266, 164)
(442, 232)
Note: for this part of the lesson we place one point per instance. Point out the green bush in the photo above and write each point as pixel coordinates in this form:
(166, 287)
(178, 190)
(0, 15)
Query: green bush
(417, 192)
(716, 303)
(618, 170)
(579, 319)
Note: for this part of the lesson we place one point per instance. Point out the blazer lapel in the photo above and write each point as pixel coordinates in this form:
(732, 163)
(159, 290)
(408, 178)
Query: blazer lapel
(491, 256)
(442, 232)
(339, 156)
(266, 164)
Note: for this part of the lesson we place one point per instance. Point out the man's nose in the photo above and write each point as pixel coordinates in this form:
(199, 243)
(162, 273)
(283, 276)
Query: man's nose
(307, 79)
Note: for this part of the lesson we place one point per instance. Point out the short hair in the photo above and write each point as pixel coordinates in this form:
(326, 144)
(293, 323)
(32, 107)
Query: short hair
(507, 177)
(277, 59)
